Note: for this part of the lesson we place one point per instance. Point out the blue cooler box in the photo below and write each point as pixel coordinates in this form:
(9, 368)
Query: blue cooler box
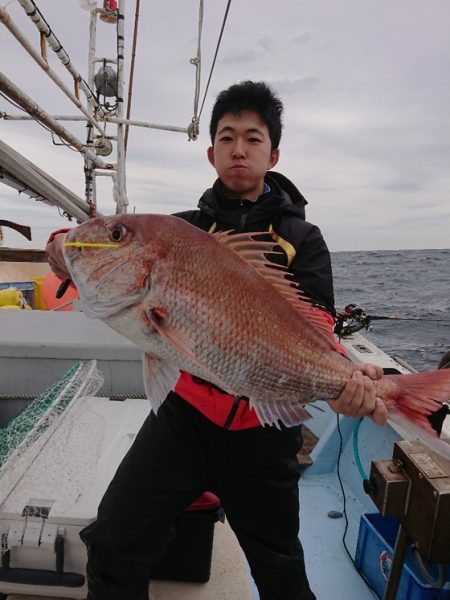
(374, 551)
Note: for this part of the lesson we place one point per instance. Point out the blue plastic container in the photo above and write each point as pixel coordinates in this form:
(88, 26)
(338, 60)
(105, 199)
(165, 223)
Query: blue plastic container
(374, 551)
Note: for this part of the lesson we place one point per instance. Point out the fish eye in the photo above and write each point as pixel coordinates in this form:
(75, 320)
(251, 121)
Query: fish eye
(117, 233)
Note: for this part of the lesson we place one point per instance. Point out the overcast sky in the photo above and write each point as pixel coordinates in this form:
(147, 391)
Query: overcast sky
(366, 89)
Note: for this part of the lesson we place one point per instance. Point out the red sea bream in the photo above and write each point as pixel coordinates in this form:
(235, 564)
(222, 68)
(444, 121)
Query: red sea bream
(215, 306)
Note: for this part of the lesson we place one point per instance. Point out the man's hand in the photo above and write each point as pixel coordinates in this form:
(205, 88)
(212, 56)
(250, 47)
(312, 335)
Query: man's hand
(358, 398)
(55, 256)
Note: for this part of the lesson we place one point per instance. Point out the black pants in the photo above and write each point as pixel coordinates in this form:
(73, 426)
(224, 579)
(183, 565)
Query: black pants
(176, 456)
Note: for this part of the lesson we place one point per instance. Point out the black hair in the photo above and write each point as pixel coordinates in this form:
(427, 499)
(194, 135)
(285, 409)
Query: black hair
(252, 96)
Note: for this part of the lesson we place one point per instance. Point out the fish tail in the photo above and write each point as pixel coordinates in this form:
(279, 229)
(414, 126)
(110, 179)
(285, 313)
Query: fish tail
(418, 395)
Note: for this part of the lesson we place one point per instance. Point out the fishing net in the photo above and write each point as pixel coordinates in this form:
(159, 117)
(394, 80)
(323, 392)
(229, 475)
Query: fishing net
(53, 435)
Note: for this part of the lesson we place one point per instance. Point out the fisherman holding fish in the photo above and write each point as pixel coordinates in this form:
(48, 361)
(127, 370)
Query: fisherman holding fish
(203, 437)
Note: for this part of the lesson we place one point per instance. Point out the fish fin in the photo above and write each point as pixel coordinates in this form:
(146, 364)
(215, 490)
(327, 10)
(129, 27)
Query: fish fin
(156, 318)
(255, 252)
(271, 413)
(159, 378)
(247, 246)
(416, 396)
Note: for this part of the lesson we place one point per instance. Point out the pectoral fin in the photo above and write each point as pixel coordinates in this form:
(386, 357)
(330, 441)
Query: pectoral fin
(157, 318)
(159, 378)
(271, 413)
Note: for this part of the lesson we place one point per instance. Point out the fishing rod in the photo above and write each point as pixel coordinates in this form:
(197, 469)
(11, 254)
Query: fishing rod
(394, 318)
(354, 318)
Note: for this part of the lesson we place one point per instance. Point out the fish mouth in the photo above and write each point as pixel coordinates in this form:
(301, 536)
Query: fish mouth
(92, 302)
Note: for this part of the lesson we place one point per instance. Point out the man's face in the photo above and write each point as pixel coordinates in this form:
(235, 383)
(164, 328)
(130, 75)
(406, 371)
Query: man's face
(242, 154)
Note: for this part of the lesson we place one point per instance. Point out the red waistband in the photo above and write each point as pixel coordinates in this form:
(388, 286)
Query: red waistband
(215, 404)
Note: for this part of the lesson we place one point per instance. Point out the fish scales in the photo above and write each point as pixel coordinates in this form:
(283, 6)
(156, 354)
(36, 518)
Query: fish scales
(240, 345)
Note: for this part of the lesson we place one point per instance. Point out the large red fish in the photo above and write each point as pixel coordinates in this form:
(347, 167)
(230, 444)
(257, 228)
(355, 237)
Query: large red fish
(213, 305)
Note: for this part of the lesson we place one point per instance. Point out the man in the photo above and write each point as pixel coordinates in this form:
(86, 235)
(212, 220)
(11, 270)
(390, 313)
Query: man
(203, 438)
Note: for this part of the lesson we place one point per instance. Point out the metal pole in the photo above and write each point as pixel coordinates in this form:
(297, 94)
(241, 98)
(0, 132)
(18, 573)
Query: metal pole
(401, 545)
(106, 119)
(122, 200)
(36, 16)
(31, 107)
(42, 62)
(89, 176)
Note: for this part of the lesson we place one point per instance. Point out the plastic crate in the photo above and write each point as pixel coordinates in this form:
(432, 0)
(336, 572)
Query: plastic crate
(26, 287)
(374, 551)
(188, 556)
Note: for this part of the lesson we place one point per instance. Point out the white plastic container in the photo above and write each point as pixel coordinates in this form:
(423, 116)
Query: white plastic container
(46, 501)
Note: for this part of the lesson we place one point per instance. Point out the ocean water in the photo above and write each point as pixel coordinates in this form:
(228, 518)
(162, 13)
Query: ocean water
(403, 283)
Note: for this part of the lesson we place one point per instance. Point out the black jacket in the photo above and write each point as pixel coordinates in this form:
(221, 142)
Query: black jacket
(282, 211)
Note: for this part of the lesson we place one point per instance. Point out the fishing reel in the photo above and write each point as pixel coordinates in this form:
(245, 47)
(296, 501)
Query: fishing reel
(353, 318)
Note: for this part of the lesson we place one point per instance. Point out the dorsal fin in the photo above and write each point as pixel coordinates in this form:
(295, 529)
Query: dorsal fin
(255, 252)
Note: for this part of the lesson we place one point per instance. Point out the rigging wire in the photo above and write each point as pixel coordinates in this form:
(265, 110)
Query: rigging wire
(52, 133)
(130, 83)
(196, 118)
(227, 9)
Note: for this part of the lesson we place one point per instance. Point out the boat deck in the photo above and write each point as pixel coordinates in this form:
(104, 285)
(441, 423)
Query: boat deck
(331, 572)
(229, 578)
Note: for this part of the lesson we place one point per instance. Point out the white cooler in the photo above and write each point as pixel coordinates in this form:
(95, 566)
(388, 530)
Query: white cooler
(52, 492)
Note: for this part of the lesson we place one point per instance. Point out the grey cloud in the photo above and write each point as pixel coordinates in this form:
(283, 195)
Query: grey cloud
(238, 57)
(404, 186)
(300, 40)
(294, 86)
(266, 43)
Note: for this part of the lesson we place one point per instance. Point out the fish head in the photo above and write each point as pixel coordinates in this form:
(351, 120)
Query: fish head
(110, 260)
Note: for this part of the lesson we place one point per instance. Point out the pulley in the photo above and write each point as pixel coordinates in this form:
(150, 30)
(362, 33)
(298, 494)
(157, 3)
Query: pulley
(103, 146)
